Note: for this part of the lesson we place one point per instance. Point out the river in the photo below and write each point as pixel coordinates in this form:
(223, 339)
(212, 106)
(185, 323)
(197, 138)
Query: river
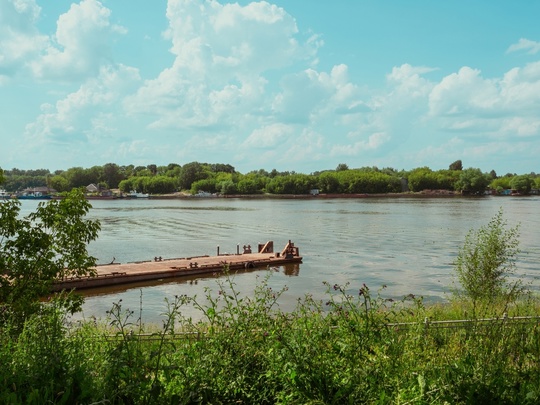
(407, 244)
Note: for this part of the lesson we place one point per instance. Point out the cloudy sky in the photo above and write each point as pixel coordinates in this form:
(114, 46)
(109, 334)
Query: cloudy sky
(292, 85)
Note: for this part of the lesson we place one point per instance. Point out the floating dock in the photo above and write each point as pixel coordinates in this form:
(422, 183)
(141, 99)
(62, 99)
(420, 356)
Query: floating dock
(159, 268)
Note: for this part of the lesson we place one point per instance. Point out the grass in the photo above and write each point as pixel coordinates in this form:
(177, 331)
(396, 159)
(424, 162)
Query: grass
(350, 348)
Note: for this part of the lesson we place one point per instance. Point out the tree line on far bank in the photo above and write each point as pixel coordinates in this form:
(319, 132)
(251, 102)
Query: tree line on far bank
(196, 177)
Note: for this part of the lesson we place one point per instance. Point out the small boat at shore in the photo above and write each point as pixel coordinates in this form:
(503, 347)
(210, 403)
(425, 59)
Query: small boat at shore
(34, 196)
(135, 194)
(4, 195)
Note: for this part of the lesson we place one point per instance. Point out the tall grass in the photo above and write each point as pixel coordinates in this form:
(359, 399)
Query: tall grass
(355, 346)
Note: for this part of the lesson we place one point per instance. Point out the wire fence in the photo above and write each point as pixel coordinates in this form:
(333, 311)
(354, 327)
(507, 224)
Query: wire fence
(464, 324)
(468, 323)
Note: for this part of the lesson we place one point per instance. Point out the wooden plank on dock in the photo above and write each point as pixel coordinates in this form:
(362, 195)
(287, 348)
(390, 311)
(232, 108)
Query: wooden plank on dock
(125, 273)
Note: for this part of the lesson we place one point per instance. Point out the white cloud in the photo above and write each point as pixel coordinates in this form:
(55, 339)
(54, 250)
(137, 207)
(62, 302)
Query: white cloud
(463, 93)
(408, 81)
(532, 47)
(221, 55)
(244, 86)
(500, 107)
(271, 136)
(85, 115)
(81, 44)
(373, 142)
(19, 38)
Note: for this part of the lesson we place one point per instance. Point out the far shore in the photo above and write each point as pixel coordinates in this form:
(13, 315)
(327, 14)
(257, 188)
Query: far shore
(421, 194)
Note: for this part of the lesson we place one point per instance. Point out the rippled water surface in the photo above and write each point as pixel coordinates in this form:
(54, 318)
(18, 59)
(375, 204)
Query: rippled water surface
(407, 244)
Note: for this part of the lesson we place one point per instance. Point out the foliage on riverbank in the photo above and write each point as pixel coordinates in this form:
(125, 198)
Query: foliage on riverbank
(352, 347)
(224, 179)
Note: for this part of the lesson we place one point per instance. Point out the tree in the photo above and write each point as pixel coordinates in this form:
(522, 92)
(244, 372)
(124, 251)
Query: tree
(79, 177)
(112, 175)
(47, 245)
(472, 181)
(486, 262)
(227, 187)
(191, 172)
(207, 185)
(152, 168)
(341, 167)
(457, 165)
(59, 183)
(328, 183)
(522, 184)
(422, 178)
(1, 176)
(500, 184)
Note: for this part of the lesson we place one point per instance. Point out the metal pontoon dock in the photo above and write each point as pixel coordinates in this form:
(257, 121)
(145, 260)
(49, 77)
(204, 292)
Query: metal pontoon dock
(125, 273)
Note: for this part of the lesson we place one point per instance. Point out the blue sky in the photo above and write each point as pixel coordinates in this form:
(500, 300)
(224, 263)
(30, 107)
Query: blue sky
(291, 85)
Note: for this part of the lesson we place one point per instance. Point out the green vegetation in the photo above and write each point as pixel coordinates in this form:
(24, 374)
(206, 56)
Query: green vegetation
(354, 346)
(224, 179)
(351, 348)
(486, 264)
(48, 244)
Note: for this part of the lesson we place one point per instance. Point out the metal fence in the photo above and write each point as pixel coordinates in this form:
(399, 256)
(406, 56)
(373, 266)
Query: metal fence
(469, 323)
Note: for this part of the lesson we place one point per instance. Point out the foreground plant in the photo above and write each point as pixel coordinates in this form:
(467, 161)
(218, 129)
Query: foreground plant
(48, 244)
(486, 264)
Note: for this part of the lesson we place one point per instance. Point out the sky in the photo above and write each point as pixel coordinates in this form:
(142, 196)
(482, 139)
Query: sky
(293, 85)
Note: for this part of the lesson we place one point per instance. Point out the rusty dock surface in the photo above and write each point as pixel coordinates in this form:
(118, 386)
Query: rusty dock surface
(126, 273)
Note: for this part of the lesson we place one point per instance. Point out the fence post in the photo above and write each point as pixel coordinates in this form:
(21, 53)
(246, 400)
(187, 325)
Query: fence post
(426, 324)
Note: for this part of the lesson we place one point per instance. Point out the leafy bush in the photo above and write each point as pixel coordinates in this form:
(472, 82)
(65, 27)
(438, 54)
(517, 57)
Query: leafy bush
(486, 264)
(47, 245)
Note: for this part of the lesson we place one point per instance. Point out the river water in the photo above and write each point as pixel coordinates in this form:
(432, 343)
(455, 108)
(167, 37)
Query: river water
(407, 244)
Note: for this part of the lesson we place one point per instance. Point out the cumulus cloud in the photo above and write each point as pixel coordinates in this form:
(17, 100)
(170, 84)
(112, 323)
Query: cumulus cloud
(373, 142)
(87, 114)
(271, 136)
(244, 86)
(81, 44)
(531, 47)
(463, 93)
(77, 50)
(19, 38)
(499, 107)
(222, 53)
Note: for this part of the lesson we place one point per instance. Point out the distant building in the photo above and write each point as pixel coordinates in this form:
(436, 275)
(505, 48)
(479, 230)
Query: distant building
(92, 188)
(96, 190)
(39, 190)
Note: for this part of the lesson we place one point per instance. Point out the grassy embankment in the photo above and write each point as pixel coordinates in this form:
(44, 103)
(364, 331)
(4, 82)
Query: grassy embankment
(352, 348)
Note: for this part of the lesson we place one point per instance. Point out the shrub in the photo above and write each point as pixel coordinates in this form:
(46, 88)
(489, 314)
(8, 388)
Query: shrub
(486, 264)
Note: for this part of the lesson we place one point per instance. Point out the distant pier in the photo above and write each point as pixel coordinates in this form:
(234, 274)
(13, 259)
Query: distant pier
(160, 268)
